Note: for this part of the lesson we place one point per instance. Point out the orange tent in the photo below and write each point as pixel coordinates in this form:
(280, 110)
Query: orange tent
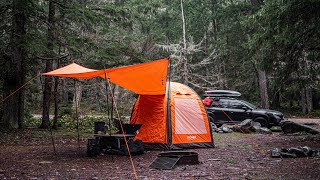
(175, 120)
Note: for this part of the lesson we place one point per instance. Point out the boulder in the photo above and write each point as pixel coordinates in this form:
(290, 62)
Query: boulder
(291, 127)
(248, 126)
(244, 127)
(294, 152)
(263, 130)
(226, 130)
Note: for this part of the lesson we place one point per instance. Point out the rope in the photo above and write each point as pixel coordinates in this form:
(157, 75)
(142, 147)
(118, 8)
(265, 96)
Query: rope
(252, 142)
(123, 133)
(19, 89)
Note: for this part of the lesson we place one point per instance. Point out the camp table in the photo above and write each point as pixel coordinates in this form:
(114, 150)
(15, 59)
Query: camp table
(112, 140)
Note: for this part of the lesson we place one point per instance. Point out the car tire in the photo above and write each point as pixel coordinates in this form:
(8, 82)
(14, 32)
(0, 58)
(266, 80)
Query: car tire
(262, 121)
(211, 119)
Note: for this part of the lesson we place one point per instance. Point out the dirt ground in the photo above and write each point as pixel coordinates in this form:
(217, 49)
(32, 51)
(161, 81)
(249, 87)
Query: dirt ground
(29, 155)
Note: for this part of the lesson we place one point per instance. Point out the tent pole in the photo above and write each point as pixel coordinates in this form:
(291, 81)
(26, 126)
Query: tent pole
(168, 106)
(77, 118)
(105, 77)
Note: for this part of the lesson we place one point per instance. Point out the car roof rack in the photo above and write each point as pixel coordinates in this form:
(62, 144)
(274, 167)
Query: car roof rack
(222, 93)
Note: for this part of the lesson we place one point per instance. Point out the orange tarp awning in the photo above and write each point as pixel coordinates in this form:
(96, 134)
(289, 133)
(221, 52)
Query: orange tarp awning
(146, 78)
(74, 71)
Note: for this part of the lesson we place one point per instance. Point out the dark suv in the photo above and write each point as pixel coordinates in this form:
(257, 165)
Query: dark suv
(226, 110)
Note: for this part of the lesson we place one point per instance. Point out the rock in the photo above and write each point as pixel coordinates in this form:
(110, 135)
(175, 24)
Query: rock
(246, 124)
(314, 153)
(276, 153)
(298, 151)
(226, 130)
(263, 130)
(228, 126)
(213, 126)
(294, 152)
(256, 125)
(291, 127)
(288, 155)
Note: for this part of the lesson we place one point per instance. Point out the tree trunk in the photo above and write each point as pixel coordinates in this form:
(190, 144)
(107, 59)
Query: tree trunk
(13, 107)
(309, 100)
(56, 99)
(77, 96)
(276, 100)
(306, 100)
(263, 89)
(47, 82)
(184, 53)
(65, 95)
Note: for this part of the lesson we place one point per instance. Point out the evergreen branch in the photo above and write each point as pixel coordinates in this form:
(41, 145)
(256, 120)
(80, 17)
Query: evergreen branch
(61, 5)
(56, 58)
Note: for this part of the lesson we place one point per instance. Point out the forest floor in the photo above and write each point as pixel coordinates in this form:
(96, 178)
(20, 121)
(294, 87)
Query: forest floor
(28, 154)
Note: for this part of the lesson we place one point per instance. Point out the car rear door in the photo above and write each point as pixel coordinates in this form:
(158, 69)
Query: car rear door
(220, 108)
(238, 111)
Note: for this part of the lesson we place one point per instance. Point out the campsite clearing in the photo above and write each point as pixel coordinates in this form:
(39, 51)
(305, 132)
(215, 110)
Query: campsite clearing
(236, 156)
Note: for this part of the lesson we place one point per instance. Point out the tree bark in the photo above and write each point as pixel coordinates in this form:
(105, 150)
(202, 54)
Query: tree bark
(184, 53)
(77, 96)
(56, 99)
(263, 89)
(13, 107)
(48, 79)
(306, 100)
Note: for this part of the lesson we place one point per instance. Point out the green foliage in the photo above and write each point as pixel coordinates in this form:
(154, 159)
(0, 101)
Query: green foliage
(276, 36)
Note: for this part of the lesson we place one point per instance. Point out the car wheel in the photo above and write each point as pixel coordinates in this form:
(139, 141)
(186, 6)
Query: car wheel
(262, 121)
(211, 119)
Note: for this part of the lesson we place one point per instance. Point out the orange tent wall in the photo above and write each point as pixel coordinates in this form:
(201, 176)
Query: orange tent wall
(149, 111)
(189, 119)
(189, 122)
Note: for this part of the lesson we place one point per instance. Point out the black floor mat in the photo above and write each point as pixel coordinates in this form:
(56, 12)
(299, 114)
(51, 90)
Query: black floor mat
(164, 162)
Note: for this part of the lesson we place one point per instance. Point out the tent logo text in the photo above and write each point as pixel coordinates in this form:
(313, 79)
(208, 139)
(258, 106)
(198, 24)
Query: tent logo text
(191, 138)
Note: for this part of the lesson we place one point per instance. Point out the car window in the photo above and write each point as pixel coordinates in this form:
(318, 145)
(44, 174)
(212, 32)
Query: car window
(220, 104)
(250, 105)
(236, 105)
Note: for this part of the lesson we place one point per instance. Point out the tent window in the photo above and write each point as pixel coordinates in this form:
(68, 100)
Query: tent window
(188, 117)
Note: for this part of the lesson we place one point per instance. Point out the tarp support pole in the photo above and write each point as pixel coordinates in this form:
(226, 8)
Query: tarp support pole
(105, 77)
(107, 83)
(77, 118)
(169, 131)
